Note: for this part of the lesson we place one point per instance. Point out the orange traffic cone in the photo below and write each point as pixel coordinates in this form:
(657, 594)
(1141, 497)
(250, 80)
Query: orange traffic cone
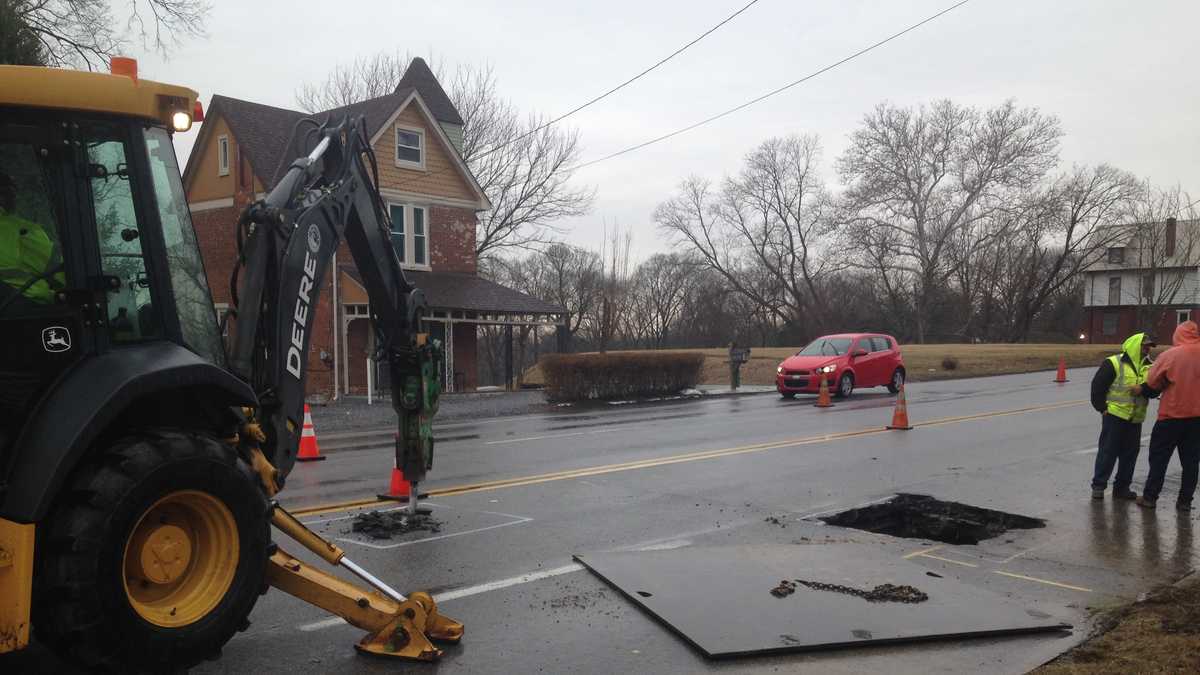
(399, 489)
(1062, 371)
(823, 395)
(309, 451)
(900, 416)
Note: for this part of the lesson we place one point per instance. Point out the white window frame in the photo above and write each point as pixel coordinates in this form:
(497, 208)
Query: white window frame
(1182, 315)
(410, 237)
(222, 155)
(404, 163)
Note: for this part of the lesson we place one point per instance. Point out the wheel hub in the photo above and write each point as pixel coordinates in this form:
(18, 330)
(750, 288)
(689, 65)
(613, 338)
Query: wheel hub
(181, 558)
(166, 554)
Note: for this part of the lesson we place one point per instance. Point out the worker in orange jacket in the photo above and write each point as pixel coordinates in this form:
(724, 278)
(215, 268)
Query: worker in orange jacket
(1176, 374)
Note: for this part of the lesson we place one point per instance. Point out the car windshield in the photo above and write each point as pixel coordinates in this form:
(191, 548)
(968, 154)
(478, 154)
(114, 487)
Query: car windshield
(826, 347)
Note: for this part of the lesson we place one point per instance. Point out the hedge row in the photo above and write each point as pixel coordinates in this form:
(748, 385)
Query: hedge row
(580, 377)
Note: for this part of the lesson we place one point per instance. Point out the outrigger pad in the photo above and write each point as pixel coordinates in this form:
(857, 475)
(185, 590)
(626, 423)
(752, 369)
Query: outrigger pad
(720, 599)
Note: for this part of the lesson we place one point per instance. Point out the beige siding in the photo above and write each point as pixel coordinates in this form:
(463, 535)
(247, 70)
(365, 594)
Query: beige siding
(206, 184)
(440, 177)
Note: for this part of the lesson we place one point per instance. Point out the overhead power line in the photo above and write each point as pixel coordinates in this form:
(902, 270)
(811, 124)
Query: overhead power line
(773, 92)
(624, 84)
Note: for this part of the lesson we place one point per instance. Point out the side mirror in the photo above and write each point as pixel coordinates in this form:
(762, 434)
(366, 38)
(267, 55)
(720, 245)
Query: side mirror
(858, 352)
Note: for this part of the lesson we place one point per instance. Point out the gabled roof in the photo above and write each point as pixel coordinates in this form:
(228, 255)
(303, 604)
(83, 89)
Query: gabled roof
(420, 77)
(263, 132)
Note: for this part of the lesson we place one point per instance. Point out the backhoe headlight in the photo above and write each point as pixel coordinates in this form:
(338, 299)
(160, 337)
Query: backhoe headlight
(181, 121)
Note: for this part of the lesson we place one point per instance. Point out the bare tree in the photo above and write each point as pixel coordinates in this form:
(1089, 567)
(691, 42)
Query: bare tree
(658, 291)
(917, 178)
(766, 231)
(1163, 246)
(365, 78)
(611, 310)
(570, 277)
(524, 166)
(86, 34)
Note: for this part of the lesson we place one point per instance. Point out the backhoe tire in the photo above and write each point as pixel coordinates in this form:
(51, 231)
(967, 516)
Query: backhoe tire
(153, 555)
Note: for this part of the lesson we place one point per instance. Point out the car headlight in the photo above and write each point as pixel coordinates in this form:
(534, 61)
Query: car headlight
(827, 369)
(779, 370)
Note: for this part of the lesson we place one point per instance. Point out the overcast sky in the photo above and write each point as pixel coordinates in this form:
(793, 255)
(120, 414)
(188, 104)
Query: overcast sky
(1122, 76)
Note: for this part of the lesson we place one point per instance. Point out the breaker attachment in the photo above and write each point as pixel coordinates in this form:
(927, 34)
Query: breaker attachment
(397, 626)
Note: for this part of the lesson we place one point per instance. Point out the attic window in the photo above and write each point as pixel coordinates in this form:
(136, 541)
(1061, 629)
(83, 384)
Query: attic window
(1116, 255)
(410, 144)
(223, 156)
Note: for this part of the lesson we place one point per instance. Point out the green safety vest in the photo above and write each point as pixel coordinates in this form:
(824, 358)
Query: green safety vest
(1122, 403)
(27, 252)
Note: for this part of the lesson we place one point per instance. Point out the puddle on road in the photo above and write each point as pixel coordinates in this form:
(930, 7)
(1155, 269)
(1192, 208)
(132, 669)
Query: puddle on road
(923, 517)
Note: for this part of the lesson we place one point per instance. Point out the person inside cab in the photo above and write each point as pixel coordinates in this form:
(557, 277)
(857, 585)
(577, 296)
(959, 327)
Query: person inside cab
(30, 267)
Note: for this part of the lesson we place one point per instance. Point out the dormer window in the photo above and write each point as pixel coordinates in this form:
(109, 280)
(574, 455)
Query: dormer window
(1116, 255)
(410, 147)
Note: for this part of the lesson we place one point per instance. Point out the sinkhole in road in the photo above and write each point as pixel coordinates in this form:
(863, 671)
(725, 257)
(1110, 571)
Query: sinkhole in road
(924, 517)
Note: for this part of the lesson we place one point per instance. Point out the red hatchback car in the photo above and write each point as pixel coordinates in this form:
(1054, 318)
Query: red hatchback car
(847, 361)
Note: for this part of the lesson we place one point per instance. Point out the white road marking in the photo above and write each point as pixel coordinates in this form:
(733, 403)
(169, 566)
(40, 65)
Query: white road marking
(521, 520)
(505, 583)
(848, 508)
(666, 545)
(465, 592)
(538, 438)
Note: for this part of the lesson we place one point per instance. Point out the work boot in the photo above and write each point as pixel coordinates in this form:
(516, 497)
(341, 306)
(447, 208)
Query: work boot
(1097, 494)
(1146, 503)
(1183, 507)
(1124, 494)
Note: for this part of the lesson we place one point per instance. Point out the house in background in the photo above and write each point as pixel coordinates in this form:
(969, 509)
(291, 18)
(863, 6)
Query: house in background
(1148, 279)
(243, 150)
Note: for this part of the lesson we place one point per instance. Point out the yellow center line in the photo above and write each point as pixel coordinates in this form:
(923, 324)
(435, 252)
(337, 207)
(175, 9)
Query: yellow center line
(1043, 581)
(675, 459)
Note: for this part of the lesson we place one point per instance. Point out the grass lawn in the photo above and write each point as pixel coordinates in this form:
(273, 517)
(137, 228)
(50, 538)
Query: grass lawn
(924, 362)
(1158, 635)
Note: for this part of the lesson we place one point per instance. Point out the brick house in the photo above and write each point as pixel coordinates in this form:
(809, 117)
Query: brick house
(433, 198)
(1147, 280)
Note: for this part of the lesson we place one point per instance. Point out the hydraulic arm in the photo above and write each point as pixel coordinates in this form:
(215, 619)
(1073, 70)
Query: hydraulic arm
(285, 244)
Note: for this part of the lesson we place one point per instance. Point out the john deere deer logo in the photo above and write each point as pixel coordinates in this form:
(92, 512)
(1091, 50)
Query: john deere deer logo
(56, 339)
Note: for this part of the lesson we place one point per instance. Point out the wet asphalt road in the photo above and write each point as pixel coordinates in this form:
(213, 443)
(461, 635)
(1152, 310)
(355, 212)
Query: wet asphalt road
(709, 473)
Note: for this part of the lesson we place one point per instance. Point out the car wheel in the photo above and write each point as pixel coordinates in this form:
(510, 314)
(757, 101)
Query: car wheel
(787, 394)
(845, 386)
(897, 381)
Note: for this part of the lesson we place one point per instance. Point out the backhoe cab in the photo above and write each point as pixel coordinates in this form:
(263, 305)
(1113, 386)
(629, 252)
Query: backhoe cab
(138, 461)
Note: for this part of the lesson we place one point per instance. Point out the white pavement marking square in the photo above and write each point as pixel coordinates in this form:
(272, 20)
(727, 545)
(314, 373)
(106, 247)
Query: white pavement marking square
(516, 520)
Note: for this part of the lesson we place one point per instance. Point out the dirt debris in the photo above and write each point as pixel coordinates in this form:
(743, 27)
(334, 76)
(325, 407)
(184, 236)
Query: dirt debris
(387, 524)
(1160, 634)
(775, 520)
(784, 589)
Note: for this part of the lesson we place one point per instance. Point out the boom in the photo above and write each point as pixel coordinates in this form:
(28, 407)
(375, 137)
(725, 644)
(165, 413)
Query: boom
(285, 243)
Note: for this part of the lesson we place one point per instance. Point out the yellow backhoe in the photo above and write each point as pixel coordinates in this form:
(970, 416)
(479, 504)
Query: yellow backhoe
(139, 456)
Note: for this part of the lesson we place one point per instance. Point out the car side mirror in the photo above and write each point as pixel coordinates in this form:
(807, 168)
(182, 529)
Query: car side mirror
(858, 352)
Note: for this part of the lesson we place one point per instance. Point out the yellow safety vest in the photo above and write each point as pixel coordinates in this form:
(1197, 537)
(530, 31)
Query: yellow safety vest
(27, 252)
(1122, 403)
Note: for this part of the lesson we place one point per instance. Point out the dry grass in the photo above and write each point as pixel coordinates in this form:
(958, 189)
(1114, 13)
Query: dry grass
(1160, 635)
(924, 362)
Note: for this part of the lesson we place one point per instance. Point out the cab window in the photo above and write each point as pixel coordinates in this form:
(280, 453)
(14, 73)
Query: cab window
(131, 313)
(31, 254)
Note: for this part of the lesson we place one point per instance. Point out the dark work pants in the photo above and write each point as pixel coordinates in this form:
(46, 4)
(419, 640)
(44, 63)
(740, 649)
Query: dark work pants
(1168, 435)
(1120, 442)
